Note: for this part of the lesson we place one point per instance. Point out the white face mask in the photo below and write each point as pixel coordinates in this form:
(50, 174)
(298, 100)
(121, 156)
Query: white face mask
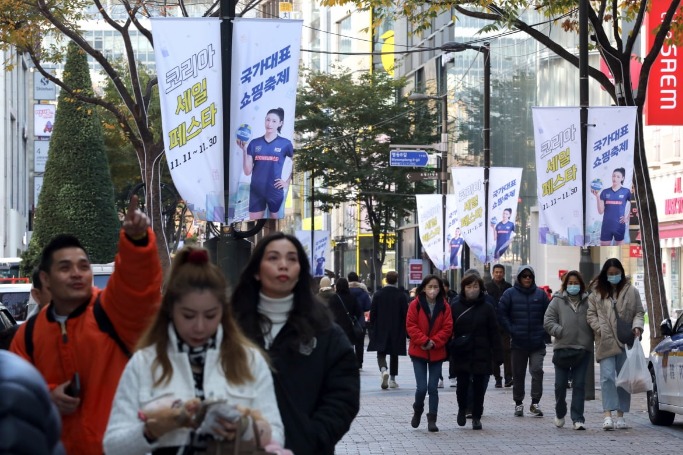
(472, 294)
(432, 293)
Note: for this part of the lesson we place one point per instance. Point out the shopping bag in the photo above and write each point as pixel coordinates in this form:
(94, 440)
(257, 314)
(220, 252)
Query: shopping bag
(634, 376)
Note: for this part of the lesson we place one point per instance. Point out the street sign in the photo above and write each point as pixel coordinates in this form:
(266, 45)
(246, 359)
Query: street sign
(419, 176)
(408, 158)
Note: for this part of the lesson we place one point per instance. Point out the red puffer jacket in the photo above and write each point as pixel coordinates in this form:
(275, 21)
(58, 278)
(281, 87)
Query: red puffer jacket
(421, 328)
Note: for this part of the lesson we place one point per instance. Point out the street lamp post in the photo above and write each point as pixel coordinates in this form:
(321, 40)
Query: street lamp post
(485, 49)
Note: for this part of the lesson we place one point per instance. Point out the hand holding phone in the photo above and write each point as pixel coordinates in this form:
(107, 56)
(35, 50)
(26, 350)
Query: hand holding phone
(74, 387)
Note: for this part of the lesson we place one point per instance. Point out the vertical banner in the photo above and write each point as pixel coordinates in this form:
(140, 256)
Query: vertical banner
(469, 190)
(454, 240)
(263, 98)
(430, 227)
(609, 159)
(321, 249)
(558, 174)
(504, 184)
(188, 62)
(43, 119)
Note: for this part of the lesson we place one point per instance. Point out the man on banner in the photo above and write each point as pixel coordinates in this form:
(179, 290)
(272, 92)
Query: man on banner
(455, 244)
(614, 204)
(503, 233)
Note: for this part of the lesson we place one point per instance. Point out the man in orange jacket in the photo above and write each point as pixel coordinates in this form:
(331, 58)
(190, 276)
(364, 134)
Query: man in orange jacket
(81, 341)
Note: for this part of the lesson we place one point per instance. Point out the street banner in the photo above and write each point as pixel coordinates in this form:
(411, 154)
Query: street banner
(188, 62)
(430, 227)
(44, 119)
(609, 159)
(263, 97)
(469, 191)
(454, 239)
(504, 184)
(557, 135)
(321, 249)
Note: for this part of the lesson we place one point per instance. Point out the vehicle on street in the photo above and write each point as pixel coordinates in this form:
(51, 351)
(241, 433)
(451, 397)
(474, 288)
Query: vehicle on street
(665, 400)
(15, 298)
(101, 274)
(6, 319)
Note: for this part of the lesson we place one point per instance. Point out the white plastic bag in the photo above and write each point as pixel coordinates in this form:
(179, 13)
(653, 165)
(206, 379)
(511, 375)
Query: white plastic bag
(634, 376)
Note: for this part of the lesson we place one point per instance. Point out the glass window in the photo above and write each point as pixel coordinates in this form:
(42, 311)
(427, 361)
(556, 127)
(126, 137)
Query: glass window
(345, 31)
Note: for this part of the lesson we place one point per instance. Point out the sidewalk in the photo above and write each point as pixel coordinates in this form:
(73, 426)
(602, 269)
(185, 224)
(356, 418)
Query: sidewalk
(383, 423)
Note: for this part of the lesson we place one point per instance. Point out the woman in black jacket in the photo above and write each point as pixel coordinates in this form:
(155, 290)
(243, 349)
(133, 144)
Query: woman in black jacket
(316, 378)
(344, 306)
(475, 346)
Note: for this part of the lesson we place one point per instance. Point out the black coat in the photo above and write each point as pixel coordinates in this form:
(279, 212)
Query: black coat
(29, 422)
(317, 389)
(521, 311)
(339, 305)
(387, 323)
(485, 345)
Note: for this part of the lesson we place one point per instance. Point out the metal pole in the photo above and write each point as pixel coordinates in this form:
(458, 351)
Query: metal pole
(313, 221)
(227, 13)
(485, 50)
(444, 170)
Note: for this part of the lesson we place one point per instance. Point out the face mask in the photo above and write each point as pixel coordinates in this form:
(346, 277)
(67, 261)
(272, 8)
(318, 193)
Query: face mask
(614, 279)
(573, 289)
(472, 295)
(431, 294)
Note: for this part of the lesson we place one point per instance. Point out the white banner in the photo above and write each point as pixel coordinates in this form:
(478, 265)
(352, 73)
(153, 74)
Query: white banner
(504, 183)
(454, 240)
(44, 119)
(321, 249)
(188, 62)
(263, 98)
(469, 190)
(609, 159)
(430, 227)
(558, 175)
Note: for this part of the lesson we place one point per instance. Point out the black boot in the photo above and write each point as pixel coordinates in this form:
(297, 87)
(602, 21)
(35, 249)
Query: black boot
(417, 415)
(431, 422)
(476, 424)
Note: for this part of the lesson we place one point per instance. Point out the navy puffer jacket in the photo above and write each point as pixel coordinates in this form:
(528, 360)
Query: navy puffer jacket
(521, 311)
(29, 422)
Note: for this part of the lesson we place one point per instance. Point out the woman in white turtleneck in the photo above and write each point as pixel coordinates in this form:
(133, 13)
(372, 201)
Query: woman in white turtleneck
(316, 377)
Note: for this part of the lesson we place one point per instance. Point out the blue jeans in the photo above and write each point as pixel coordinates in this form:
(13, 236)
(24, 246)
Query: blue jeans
(427, 383)
(562, 375)
(613, 397)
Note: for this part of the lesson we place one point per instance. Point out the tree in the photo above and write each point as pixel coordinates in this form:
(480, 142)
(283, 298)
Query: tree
(616, 27)
(77, 195)
(343, 126)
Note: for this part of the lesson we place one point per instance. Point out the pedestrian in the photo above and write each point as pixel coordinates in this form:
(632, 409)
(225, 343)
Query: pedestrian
(193, 352)
(495, 289)
(521, 311)
(40, 295)
(82, 340)
(325, 288)
(565, 320)
(345, 309)
(317, 383)
(387, 328)
(360, 292)
(475, 346)
(429, 326)
(29, 420)
(613, 296)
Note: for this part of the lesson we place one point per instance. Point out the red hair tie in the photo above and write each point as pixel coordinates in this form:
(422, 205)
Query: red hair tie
(198, 257)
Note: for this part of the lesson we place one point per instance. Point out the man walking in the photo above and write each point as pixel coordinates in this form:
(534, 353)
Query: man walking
(495, 289)
(387, 327)
(360, 292)
(521, 311)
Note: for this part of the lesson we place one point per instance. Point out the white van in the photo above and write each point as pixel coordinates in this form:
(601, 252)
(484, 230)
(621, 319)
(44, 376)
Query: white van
(101, 274)
(16, 297)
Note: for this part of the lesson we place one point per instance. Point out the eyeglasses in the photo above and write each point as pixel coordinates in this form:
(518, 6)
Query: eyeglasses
(526, 277)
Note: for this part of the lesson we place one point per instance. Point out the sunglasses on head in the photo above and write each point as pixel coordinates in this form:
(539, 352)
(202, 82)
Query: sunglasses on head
(525, 276)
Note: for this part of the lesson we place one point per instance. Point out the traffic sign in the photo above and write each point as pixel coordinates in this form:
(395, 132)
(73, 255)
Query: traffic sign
(418, 176)
(408, 158)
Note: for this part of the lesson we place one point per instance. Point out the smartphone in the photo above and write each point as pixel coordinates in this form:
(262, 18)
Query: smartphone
(74, 387)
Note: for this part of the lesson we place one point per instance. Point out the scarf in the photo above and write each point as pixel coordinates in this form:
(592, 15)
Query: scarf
(277, 311)
(197, 358)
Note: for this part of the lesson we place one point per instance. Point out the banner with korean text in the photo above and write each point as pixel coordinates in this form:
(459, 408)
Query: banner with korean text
(558, 175)
(468, 183)
(188, 62)
(504, 184)
(430, 227)
(321, 249)
(609, 159)
(263, 97)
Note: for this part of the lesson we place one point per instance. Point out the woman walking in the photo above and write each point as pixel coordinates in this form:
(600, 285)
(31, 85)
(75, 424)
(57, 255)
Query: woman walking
(565, 320)
(429, 326)
(612, 296)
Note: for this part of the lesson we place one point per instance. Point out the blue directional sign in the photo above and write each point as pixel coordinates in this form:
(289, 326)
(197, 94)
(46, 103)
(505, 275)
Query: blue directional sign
(408, 158)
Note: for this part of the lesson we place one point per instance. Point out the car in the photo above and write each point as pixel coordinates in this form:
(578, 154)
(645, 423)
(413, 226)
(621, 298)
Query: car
(6, 318)
(665, 400)
(15, 298)
(101, 274)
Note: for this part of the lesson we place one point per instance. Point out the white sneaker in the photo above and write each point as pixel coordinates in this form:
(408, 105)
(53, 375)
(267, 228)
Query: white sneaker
(559, 422)
(621, 423)
(454, 382)
(440, 384)
(608, 424)
(393, 384)
(385, 379)
(579, 426)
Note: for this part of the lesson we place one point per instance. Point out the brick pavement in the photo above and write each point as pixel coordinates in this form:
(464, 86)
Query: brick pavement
(383, 423)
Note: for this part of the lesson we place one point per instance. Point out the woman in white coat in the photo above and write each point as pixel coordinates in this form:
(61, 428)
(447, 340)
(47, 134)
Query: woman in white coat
(194, 353)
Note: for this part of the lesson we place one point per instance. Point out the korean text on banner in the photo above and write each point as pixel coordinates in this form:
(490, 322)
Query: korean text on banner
(609, 174)
(430, 227)
(504, 183)
(321, 249)
(187, 52)
(469, 190)
(263, 97)
(558, 175)
(454, 240)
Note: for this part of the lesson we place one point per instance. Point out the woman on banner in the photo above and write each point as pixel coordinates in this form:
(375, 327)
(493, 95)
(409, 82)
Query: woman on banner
(266, 160)
(614, 204)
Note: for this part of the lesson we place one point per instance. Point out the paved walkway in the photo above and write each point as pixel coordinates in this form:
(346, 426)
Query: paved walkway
(383, 423)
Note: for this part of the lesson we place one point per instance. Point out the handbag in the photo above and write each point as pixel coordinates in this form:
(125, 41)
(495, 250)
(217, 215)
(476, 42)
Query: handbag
(568, 357)
(358, 330)
(624, 329)
(460, 342)
(237, 446)
(634, 377)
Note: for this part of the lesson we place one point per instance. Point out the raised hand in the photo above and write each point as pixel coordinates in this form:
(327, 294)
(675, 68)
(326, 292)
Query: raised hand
(135, 223)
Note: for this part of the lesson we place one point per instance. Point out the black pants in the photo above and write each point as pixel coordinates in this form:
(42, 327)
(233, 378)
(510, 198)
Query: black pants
(478, 388)
(360, 347)
(393, 362)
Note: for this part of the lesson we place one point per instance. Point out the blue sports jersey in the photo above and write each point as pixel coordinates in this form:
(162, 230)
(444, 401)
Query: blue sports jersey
(503, 231)
(319, 266)
(456, 244)
(269, 157)
(615, 208)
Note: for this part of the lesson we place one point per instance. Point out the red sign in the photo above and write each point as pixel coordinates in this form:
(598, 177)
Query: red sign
(635, 251)
(664, 89)
(415, 271)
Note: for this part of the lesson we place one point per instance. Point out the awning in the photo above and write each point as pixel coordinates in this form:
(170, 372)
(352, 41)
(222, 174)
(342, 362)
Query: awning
(670, 235)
